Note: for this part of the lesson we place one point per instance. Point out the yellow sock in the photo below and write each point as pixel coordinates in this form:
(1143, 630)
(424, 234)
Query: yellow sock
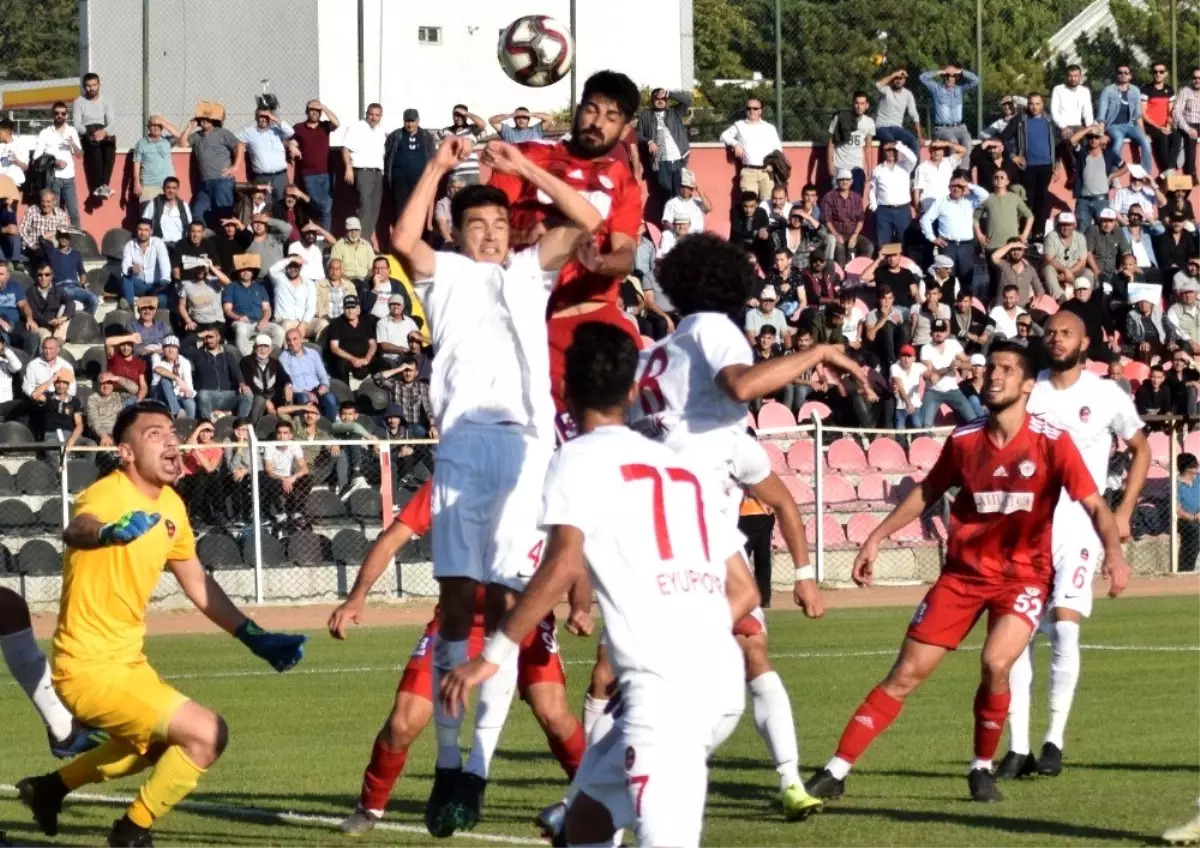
(174, 778)
(111, 760)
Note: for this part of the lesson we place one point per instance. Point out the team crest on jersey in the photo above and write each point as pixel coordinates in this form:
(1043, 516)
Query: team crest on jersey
(1032, 591)
(1027, 468)
(1083, 555)
(1085, 413)
(630, 758)
(170, 525)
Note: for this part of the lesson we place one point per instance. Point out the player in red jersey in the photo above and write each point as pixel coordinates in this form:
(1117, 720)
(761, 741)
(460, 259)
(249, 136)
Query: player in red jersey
(592, 162)
(540, 680)
(1010, 469)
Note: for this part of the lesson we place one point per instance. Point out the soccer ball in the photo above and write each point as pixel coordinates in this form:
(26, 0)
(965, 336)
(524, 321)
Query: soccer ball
(536, 50)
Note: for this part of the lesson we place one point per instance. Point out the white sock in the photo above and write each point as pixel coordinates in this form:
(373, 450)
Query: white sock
(28, 665)
(491, 710)
(773, 719)
(838, 767)
(1064, 676)
(593, 713)
(1020, 685)
(986, 765)
(447, 656)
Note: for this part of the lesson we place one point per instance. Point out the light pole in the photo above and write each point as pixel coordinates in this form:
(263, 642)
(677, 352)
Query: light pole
(779, 68)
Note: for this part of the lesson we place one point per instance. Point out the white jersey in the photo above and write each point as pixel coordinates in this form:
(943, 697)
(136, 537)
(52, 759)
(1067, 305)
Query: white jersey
(492, 362)
(656, 546)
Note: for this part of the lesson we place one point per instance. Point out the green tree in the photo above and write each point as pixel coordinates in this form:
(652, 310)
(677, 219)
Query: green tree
(39, 41)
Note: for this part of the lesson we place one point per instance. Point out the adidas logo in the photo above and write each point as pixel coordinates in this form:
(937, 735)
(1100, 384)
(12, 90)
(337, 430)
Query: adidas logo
(576, 174)
(1000, 472)
(990, 725)
(866, 721)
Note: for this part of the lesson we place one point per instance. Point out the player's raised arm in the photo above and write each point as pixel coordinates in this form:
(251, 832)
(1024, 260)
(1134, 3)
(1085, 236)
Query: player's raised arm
(774, 494)
(745, 383)
(383, 551)
(407, 235)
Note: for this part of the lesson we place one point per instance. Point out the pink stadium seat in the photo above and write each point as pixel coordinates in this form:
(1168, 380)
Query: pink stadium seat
(885, 454)
(860, 527)
(1100, 369)
(847, 455)
(778, 460)
(945, 417)
(775, 414)
(861, 306)
(1158, 484)
(856, 266)
(1047, 304)
(1160, 449)
(838, 490)
(834, 534)
(900, 491)
(1191, 444)
(809, 408)
(801, 492)
(910, 532)
(978, 304)
(1135, 370)
(873, 487)
(800, 456)
(905, 262)
(923, 452)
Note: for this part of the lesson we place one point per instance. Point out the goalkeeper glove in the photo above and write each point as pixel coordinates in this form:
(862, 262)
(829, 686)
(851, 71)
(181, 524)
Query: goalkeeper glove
(128, 528)
(281, 650)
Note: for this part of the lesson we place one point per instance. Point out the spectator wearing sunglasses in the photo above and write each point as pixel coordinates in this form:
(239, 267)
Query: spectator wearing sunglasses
(61, 141)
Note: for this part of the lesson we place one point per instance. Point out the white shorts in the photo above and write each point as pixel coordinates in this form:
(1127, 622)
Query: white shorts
(487, 496)
(1077, 554)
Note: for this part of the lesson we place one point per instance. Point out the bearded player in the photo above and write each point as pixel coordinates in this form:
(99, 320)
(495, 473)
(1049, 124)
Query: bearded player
(1010, 469)
(1092, 411)
(540, 677)
(124, 528)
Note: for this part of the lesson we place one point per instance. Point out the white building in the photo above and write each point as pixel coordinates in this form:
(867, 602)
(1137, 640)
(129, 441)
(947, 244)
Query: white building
(427, 55)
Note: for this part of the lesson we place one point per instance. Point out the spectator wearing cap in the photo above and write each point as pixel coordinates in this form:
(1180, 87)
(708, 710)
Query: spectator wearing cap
(849, 145)
(1013, 268)
(752, 228)
(1008, 110)
(313, 267)
(248, 307)
(265, 377)
(751, 140)
(266, 149)
(269, 239)
(168, 215)
(895, 103)
(144, 330)
(145, 266)
(1005, 314)
(1184, 314)
(393, 330)
(931, 178)
(1141, 243)
(948, 102)
(58, 416)
(40, 371)
(843, 212)
(1096, 166)
(765, 313)
(972, 387)
(466, 124)
(409, 396)
(171, 379)
(351, 342)
(972, 327)
(663, 134)
(922, 319)
(1031, 139)
(362, 159)
(218, 155)
(1065, 256)
(102, 408)
(130, 370)
(406, 150)
(200, 298)
(308, 379)
(1120, 113)
(890, 196)
(49, 309)
(889, 270)
(939, 273)
(905, 375)
(217, 378)
(295, 305)
(1003, 215)
(1176, 248)
(1147, 335)
(355, 253)
(949, 225)
(689, 201)
(522, 125)
(1089, 305)
(1141, 190)
(942, 358)
(1105, 245)
(42, 222)
(680, 226)
(68, 272)
(310, 145)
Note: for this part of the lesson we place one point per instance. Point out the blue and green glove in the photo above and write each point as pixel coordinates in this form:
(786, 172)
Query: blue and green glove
(281, 650)
(128, 528)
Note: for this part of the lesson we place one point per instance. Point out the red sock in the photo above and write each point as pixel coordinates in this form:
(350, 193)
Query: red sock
(870, 719)
(991, 710)
(381, 775)
(569, 753)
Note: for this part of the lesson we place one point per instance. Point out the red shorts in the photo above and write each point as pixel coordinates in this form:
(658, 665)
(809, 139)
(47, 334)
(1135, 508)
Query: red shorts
(955, 603)
(538, 662)
(752, 624)
(561, 332)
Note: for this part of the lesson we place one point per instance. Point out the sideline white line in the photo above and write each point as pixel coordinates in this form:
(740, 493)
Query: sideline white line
(283, 816)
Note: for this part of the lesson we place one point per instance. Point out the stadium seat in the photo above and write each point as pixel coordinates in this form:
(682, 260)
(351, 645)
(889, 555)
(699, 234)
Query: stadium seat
(778, 460)
(855, 267)
(37, 556)
(860, 527)
(341, 390)
(16, 516)
(907, 483)
(945, 417)
(114, 241)
(272, 551)
(7, 563)
(8, 486)
(184, 427)
(15, 433)
(774, 414)
(1047, 304)
(366, 505)
(1158, 484)
(307, 548)
(82, 392)
(99, 280)
(885, 454)
(1135, 370)
(910, 532)
(1191, 443)
(50, 514)
(119, 318)
(91, 363)
(873, 488)
(834, 534)
(67, 355)
(349, 547)
(838, 490)
(218, 551)
(265, 428)
(83, 329)
(1100, 369)
(85, 243)
(81, 473)
(223, 429)
(371, 398)
(800, 491)
(1160, 448)
(35, 477)
(804, 416)
(22, 278)
(324, 505)
(800, 456)
(923, 452)
(845, 454)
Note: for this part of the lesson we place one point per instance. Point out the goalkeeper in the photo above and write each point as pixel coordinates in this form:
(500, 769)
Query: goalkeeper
(125, 527)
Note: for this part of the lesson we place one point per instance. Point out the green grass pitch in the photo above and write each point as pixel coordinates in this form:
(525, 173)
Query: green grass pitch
(300, 740)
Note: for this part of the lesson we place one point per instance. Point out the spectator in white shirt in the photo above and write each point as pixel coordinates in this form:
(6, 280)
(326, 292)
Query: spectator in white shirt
(891, 191)
(1006, 314)
(61, 141)
(362, 157)
(942, 358)
(295, 297)
(313, 268)
(690, 201)
(12, 157)
(1140, 191)
(931, 178)
(171, 379)
(10, 366)
(849, 147)
(145, 266)
(906, 386)
(266, 151)
(392, 332)
(751, 141)
(40, 372)
(1070, 110)
(168, 215)
(680, 226)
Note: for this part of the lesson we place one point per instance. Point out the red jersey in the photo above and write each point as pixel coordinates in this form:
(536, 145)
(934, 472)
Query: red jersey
(607, 182)
(1000, 523)
(417, 514)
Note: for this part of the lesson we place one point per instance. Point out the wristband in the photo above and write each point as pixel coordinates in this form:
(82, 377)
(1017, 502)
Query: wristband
(806, 572)
(499, 648)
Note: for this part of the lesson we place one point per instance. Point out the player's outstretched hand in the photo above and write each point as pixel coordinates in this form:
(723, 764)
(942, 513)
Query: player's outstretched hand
(457, 685)
(129, 527)
(864, 563)
(280, 650)
(454, 149)
(579, 622)
(503, 157)
(807, 595)
(349, 612)
(1116, 569)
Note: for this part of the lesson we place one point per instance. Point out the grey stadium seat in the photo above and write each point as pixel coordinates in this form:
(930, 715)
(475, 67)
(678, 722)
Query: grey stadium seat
(341, 391)
(15, 433)
(86, 245)
(366, 505)
(8, 486)
(272, 551)
(7, 564)
(117, 318)
(371, 398)
(114, 241)
(83, 329)
(92, 362)
(35, 477)
(38, 556)
(223, 429)
(184, 427)
(104, 280)
(16, 516)
(23, 279)
(67, 355)
(325, 505)
(307, 548)
(265, 428)
(350, 547)
(81, 473)
(49, 514)
(218, 550)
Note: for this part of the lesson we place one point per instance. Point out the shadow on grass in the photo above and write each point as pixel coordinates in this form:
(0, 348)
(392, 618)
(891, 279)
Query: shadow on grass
(991, 822)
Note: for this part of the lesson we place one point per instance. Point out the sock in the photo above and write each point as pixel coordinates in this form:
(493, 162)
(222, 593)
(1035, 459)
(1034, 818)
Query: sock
(569, 751)
(1020, 687)
(593, 715)
(870, 719)
(28, 665)
(174, 778)
(990, 710)
(1064, 676)
(773, 719)
(491, 710)
(380, 777)
(107, 761)
(838, 767)
(447, 656)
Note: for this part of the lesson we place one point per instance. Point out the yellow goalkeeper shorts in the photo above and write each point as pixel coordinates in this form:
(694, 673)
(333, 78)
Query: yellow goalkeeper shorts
(129, 702)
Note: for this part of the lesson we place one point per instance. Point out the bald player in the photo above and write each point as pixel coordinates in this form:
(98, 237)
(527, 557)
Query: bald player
(1092, 410)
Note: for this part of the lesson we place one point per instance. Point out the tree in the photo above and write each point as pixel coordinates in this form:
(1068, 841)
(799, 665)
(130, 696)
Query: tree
(39, 41)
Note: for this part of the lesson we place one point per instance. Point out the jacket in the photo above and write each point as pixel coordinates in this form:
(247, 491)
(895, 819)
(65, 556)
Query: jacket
(1016, 139)
(45, 308)
(647, 124)
(392, 143)
(37, 177)
(265, 382)
(214, 372)
(156, 210)
(781, 168)
(847, 124)
(1137, 327)
(1110, 104)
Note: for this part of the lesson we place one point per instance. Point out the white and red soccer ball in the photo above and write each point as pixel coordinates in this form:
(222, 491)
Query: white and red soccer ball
(536, 50)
